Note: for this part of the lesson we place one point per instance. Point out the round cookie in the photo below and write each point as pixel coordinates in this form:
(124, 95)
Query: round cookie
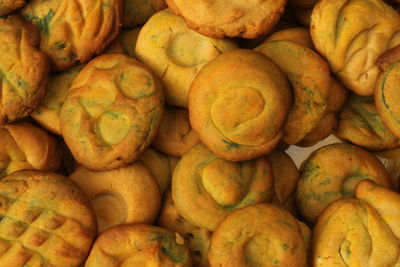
(259, 235)
(23, 69)
(73, 32)
(256, 94)
(139, 245)
(237, 18)
(137, 12)
(124, 195)
(46, 220)
(361, 124)
(351, 35)
(112, 112)
(309, 76)
(175, 136)
(298, 35)
(206, 188)
(331, 173)
(27, 147)
(176, 54)
(197, 238)
(8, 6)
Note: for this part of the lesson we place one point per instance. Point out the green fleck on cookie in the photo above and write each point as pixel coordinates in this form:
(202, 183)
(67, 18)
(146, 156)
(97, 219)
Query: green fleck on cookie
(41, 23)
(60, 45)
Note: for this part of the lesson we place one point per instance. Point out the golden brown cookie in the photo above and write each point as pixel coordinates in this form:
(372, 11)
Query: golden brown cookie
(197, 238)
(27, 147)
(260, 235)
(176, 54)
(206, 188)
(239, 18)
(46, 220)
(124, 195)
(238, 104)
(298, 35)
(8, 6)
(309, 76)
(361, 124)
(137, 12)
(351, 35)
(73, 32)
(331, 173)
(175, 136)
(139, 245)
(128, 39)
(23, 69)
(160, 167)
(112, 112)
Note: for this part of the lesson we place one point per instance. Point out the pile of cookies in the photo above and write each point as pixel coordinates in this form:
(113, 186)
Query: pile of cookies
(153, 133)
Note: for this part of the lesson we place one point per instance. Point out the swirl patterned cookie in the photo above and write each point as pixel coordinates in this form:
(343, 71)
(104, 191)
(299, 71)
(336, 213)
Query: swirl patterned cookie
(112, 112)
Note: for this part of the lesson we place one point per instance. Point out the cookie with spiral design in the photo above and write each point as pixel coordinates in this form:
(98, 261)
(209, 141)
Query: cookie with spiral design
(46, 220)
(331, 173)
(207, 188)
(139, 245)
(238, 104)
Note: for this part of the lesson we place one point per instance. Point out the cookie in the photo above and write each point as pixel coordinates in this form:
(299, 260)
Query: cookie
(351, 35)
(176, 54)
(206, 188)
(112, 112)
(331, 173)
(23, 69)
(27, 147)
(254, 91)
(233, 19)
(298, 35)
(118, 196)
(46, 220)
(258, 235)
(72, 32)
(139, 245)
(361, 125)
(198, 239)
(309, 75)
(137, 12)
(8, 6)
(175, 136)
(128, 39)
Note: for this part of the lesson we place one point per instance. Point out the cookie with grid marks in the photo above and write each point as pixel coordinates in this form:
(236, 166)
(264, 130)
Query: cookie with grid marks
(45, 220)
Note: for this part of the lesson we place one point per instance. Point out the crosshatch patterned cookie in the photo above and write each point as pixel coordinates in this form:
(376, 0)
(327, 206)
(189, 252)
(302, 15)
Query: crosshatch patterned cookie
(23, 69)
(238, 104)
(74, 31)
(8, 6)
(176, 54)
(206, 188)
(112, 112)
(24, 146)
(139, 245)
(351, 35)
(46, 220)
(238, 18)
(137, 12)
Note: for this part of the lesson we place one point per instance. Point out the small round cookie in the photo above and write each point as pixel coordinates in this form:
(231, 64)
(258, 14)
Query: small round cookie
(175, 136)
(206, 188)
(254, 91)
(298, 35)
(124, 195)
(160, 167)
(27, 147)
(361, 124)
(197, 238)
(137, 12)
(176, 54)
(23, 69)
(309, 75)
(73, 32)
(139, 245)
(351, 35)
(112, 112)
(331, 173)
(238, 18)
(128, 38)
(352, 233)
(46, 220)
(387, 98)
(260, 235)
(8, 6)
